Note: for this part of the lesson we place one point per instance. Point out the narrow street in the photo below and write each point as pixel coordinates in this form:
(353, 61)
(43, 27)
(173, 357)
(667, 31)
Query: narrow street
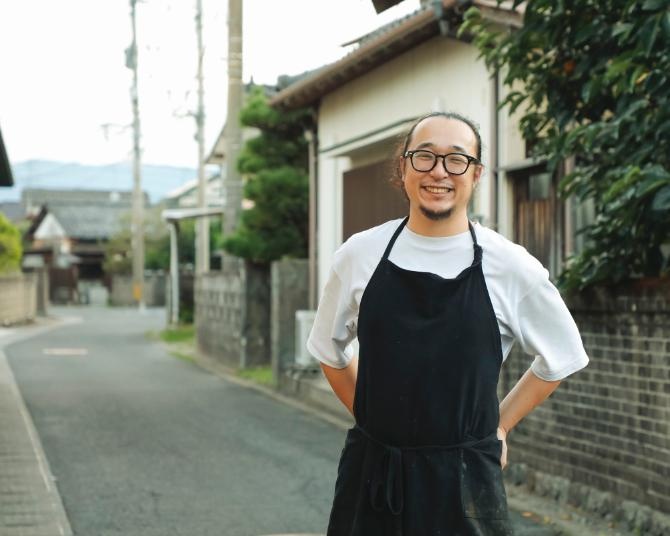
(143, 443)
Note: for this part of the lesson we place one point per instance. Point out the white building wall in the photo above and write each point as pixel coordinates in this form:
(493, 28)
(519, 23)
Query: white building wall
(329, 212)
(442, 74)
(49, 229)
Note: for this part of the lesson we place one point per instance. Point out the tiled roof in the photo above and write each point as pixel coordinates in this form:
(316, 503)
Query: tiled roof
(382, 29)
(83, 214)
(388, 42)
(382, 5)
(6, 177)
(40, 196)
(90, 221)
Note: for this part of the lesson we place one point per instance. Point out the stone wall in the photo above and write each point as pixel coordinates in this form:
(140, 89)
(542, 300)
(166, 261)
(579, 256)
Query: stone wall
(290, 293)
(18, 298)
(232, 314)
(602, 440)
(121, 293)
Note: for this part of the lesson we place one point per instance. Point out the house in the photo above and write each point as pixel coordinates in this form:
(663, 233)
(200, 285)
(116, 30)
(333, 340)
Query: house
(363, 103)
(69, 230)
(186, 195)
(6, 177)
(366, 100)
(383, 5)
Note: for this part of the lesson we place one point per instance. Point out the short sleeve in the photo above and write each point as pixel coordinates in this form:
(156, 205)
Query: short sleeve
(547, 331)
(334, 325)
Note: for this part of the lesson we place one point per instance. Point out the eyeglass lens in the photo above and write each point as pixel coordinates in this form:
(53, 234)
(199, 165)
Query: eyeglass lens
(453, 163)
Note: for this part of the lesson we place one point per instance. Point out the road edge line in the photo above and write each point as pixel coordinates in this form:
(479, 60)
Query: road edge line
(48, 478)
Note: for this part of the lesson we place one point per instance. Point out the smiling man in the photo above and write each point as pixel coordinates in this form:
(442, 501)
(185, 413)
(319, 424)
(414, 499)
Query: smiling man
(437, 302)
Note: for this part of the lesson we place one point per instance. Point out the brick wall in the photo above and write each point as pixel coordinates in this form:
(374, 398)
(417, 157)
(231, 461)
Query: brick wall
(602, 440)
(18, 298)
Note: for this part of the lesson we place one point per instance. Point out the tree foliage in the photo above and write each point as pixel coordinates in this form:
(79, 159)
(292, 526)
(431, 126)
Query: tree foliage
(10, 246)
(274, 165)
(118, 250)
(595, 86)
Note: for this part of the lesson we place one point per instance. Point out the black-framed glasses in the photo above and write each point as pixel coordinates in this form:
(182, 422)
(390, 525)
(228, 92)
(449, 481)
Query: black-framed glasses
(454, 163)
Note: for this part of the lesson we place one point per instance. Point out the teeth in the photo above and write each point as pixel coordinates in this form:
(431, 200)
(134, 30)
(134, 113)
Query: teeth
(439, 189)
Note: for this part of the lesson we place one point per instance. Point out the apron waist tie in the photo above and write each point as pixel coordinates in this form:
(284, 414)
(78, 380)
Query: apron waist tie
(386, 484)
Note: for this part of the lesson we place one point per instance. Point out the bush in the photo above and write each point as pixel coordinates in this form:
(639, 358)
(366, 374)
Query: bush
(10, 247)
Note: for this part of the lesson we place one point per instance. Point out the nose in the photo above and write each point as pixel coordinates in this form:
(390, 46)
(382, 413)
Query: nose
(440, 170)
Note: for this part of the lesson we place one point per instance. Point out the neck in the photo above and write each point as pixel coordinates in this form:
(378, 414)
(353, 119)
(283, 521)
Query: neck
(452, 225)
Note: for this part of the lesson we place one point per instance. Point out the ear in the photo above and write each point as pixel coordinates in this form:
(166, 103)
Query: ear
(401, 167)
(476, 176)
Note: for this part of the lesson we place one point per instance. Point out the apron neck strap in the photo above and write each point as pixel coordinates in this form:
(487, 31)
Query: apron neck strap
(477, 247)
(393, 239)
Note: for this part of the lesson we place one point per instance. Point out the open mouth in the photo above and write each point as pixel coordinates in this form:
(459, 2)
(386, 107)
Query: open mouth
(438, 189)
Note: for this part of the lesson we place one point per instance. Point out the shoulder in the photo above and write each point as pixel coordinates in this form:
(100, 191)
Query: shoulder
(364, 249)
(507, 260)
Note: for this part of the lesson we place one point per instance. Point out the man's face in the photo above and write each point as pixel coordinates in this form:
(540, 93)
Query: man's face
(437, 195)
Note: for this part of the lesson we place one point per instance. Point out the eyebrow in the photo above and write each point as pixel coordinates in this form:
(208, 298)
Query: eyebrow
(432, 145)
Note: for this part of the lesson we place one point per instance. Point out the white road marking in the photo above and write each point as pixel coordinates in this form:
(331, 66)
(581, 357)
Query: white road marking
(66, 351)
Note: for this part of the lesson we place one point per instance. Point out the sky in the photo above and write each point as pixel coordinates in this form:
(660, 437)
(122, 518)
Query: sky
(65, 89)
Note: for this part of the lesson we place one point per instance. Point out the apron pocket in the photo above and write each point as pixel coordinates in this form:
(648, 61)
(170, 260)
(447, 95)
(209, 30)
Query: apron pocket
(482, 488)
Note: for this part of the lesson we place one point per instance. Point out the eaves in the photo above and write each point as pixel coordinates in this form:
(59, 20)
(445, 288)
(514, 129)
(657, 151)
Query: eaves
(399, 38)
(6, 177)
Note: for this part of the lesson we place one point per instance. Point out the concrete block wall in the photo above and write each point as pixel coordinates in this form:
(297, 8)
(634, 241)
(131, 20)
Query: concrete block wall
(256, 331)
(18, 298)
(218, 314)
(602, 440)
(289, 293)
(121, 293)
(232, 314)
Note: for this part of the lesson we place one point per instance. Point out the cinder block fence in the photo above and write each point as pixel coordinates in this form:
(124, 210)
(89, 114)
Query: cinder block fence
(18, 298)
(245, 314)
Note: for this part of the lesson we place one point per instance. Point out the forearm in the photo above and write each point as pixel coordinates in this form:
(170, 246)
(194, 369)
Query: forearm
(529, 392)
(343, 382)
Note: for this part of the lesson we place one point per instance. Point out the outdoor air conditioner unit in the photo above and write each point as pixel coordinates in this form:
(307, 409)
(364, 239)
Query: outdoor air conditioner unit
(303, 325)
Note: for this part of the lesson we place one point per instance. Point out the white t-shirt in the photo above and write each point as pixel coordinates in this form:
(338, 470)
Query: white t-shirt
(528, 307)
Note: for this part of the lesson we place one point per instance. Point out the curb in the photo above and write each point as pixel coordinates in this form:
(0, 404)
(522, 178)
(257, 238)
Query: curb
(36, 506)
(228, 374)
(563, 520)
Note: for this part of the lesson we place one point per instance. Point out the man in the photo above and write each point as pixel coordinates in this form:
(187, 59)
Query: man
(436, 302)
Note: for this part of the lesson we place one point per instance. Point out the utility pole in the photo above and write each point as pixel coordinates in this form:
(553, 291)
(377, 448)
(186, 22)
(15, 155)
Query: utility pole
(202, 229)
(137, 230)
(233, 181)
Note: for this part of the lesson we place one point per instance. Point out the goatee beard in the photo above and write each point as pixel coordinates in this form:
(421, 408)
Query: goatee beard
(436, 215)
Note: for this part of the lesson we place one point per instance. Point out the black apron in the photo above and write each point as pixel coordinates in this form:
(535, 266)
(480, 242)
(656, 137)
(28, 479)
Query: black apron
(424, 458)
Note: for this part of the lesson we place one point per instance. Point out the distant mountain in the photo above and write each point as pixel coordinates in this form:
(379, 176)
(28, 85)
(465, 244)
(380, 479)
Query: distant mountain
(156, 180)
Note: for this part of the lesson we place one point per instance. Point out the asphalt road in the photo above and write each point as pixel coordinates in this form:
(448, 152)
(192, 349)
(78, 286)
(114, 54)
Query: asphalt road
(143, 443)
